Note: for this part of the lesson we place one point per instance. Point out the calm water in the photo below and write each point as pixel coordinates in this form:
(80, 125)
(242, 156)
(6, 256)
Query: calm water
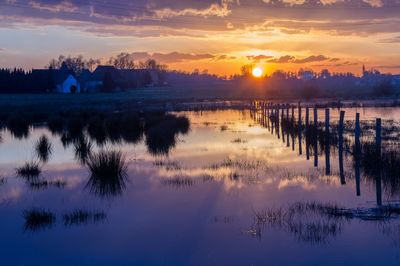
(195, 206)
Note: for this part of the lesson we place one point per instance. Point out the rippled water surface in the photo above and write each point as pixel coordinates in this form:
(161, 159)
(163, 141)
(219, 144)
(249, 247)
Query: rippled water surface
(215, 198)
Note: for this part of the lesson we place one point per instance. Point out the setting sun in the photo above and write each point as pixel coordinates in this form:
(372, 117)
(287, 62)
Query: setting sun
(257, 72)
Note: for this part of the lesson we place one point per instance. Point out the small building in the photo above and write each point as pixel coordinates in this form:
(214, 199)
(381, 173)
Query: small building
(57, 80)
(68, 85)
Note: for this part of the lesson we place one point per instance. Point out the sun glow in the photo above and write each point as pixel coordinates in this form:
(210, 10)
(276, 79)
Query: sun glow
(257, 72)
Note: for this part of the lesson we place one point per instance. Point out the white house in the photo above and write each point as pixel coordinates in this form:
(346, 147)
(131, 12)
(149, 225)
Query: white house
(69, 85)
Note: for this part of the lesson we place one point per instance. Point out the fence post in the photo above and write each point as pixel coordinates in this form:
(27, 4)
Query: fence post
(293, 132)
(341, 130)
(379, 161)
(315, 137)
(357, 154)
(327, 144)
(300, 130)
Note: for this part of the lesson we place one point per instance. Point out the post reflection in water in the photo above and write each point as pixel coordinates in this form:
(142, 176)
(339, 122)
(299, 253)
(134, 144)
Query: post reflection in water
(371, 161)
(327, 143)
(341, 129)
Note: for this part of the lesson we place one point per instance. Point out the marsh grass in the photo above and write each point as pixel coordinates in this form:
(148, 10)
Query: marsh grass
(82, 149)
(30, 171)
(37, 220)
(224, 128)
(43, 148)
(239, 140)
(315, 222)
(41, 185)
(169, 165)
(82, 217)
(108, 173)
(178, 182)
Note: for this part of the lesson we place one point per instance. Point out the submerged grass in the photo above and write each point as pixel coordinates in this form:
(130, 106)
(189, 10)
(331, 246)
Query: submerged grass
(43, 148)
(40, 185)
(37, 219)
(178, 182)
(31, 170)
(82, 217)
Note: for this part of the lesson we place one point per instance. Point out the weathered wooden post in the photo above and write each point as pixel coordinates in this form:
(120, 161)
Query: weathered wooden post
(315, 137)
(341, 130)
(299, 126)
(287, 126)
(268, 115)
(357, 154)
(293, 131)
(307, 135)
(379, 161)
(277, 120)
(327, 143)
(283, 123)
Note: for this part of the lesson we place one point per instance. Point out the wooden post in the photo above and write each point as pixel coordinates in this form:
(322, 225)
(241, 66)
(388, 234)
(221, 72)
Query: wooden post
(277, 122)
(300, 130)
(282, 123)
(379, 161)
(307, 135)
(341, 130)
(287, 127)
(315, 137)
(327, 144)
(357, 154)
(293, 126)
(268, 116)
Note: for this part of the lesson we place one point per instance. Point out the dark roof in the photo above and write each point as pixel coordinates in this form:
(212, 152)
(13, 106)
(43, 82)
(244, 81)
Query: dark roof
(59, 76)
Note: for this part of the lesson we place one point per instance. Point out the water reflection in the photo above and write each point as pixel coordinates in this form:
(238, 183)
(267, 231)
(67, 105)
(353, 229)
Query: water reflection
(218, 182)
(108, 173)
(37, 220)
(381, 166)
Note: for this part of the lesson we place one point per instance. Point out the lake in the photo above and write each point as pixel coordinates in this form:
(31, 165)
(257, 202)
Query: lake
(226, 192)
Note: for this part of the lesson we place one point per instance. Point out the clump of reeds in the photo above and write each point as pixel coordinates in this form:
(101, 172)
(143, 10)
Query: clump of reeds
(238, 140)
(82, 149)
(31, 170)
(82, 217)
(169, 165)
(38, 185)
(224, 128)
(178, 182)
(43, 148)
(37, 219)
(108, 172)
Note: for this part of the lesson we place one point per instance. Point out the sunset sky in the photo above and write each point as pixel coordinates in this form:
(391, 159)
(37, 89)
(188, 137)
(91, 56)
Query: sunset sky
(217, 35)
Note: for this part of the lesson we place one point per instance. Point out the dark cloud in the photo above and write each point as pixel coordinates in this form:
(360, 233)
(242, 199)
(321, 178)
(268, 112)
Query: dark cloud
(313, 58)
(360, 17)
(282, 60)
(174, 57)
(291, 59)
(258, 58)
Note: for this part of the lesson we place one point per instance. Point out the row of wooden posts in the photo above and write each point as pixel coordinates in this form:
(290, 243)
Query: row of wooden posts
(273, 116)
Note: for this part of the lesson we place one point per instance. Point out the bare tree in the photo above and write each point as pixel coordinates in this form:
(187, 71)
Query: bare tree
(123, 61)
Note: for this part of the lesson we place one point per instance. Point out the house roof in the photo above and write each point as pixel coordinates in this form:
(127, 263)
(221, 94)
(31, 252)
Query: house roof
(59, 76)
